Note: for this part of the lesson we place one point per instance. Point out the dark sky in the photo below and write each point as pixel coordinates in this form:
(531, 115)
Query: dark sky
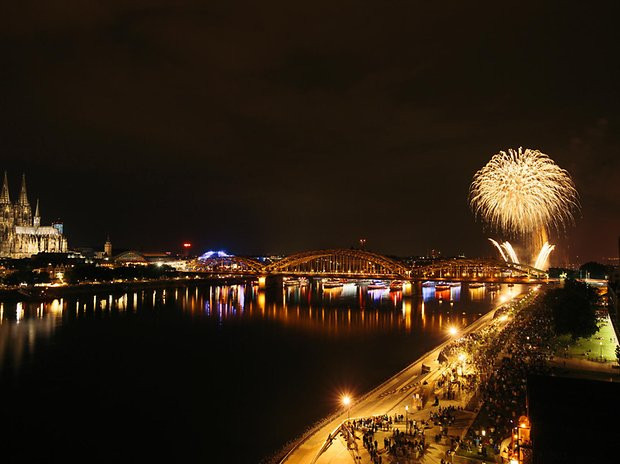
(277, 126)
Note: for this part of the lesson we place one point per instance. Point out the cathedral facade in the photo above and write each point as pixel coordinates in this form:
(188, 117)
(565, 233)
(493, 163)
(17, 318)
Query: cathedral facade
(21, 232)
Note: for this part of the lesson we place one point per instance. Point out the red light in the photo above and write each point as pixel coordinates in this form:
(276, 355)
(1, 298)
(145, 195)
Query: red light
(187, 245)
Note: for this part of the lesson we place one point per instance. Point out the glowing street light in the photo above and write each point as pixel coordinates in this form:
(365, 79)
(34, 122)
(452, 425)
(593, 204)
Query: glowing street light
(453, 331)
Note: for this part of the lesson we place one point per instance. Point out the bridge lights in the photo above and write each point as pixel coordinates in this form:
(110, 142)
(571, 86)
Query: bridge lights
(453, 331)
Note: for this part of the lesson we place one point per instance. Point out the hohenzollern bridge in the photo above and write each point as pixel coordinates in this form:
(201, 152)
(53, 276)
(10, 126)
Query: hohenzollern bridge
(360, 264)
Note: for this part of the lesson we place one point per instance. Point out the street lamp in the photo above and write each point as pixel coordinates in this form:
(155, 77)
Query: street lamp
(346, 402)
(601, 345)
(406, 418)
(453, 331)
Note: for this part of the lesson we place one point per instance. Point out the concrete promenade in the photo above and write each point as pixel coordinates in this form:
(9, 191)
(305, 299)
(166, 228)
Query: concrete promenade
(388, 398)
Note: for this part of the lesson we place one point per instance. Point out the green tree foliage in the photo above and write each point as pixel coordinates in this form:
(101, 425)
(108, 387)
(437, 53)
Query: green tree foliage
(573, 309)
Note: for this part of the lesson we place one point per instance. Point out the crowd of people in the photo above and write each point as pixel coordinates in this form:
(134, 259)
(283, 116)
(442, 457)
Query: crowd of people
(521, 350)
(396, 443)
(494, 362)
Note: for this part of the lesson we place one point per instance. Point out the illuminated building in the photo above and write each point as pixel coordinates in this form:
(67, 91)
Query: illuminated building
(21, 233)
(107, 248)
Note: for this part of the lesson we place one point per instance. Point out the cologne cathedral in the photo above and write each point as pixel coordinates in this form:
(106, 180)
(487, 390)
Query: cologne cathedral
(21, 233)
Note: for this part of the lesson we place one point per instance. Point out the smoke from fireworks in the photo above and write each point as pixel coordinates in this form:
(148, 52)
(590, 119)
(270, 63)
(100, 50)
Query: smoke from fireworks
(522, 192)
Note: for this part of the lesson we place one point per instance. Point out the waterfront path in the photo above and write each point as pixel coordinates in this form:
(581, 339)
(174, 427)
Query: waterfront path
(388, 398)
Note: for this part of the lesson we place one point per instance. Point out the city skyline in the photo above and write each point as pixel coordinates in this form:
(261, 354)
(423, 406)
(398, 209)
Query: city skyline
(158, 125)
(328, 231)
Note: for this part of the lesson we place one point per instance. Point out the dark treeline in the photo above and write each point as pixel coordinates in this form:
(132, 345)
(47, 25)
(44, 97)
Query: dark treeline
(573, 309)
(90, 273)
(591, 270)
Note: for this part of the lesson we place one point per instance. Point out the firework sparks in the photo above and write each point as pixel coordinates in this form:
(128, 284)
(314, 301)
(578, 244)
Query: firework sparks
(510, 256)
(543, 255)
(510, 252)
(522, 192)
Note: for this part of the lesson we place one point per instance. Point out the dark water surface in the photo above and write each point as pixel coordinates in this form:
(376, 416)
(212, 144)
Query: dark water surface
(204, 373)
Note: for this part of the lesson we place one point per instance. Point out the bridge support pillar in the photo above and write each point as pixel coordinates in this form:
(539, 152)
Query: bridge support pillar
(269, 281)
(412, 287)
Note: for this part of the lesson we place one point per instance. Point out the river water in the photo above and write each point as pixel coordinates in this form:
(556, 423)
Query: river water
(205, 373)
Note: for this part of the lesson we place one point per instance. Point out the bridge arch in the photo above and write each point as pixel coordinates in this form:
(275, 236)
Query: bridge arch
(339, 262)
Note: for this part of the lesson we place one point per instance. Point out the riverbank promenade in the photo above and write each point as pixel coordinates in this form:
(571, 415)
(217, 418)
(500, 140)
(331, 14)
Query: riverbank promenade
(403, 405)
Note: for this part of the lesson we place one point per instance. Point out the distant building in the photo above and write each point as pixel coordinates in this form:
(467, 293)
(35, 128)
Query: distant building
(107, 248)
(138, 258)
(21, 233)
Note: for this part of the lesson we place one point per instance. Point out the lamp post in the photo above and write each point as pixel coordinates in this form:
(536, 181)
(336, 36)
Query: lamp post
(601, 345)
(406, 418)
(346, 401)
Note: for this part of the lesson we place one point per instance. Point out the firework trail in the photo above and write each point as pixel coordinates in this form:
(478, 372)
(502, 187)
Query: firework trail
(498, 246)
(510, 252)
(543, 255)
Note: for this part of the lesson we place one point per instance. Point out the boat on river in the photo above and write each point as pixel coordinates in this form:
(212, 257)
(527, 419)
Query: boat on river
(332, 283)
(377, 285)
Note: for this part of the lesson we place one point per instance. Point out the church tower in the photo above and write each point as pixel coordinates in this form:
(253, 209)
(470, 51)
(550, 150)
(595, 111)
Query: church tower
(6, 207)
(7, 219)
(107, 248)
(23, 212)
(36, 222)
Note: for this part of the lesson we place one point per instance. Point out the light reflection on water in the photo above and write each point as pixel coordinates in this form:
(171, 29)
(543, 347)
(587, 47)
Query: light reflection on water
(342, 311)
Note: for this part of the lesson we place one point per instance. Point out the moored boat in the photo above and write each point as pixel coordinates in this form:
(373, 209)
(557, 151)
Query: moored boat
(332, 283)
(377, 285)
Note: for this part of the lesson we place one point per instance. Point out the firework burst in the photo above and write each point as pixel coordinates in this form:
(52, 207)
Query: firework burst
(523, 192)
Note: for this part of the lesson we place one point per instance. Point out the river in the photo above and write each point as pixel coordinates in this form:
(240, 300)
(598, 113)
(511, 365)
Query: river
(207, 372)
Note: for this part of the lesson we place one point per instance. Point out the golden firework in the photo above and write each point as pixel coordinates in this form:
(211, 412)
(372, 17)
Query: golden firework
(523, 193)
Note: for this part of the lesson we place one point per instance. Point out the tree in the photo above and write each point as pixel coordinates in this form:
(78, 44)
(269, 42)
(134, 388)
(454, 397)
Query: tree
(594, 270)
(618, 354)
(572, 308)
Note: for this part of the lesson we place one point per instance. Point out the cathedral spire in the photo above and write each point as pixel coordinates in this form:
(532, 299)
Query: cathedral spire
(37, 216)
(5, 198)
(23, 195)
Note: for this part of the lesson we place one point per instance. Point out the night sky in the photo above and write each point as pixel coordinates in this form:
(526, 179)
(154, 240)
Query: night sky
(278, 126)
